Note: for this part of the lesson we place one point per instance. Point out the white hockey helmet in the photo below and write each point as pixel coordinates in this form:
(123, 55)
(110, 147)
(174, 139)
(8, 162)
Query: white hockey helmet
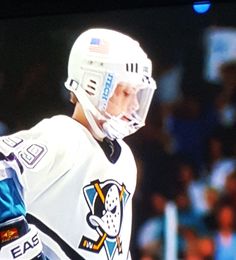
(99, 60)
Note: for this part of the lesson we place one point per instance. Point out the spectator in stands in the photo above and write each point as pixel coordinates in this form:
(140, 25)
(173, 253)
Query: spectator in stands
(219, 164)
(148, 256)
(225, 100)
(201, 248)
(212, 197)
(189, 182)
(229, 191)
(150, 235)
(190, 224)
(228, 79)
(225, 236)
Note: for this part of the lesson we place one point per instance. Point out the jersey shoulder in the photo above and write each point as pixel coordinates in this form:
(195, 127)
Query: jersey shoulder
(59, 127)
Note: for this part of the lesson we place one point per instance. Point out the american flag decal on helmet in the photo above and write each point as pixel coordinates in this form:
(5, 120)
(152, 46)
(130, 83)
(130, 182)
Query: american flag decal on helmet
(99, 46)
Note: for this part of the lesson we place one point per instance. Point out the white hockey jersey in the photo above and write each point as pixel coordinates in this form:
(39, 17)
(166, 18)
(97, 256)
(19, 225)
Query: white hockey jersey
(79, 200)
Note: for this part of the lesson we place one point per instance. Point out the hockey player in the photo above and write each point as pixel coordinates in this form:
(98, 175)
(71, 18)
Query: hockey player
(72, 179)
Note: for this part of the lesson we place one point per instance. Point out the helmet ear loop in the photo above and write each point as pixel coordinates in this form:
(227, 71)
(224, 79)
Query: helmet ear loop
(95, 125)
(91, 113)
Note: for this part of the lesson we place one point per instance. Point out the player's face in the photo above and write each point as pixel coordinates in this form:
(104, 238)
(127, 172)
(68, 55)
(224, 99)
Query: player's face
(123, 101)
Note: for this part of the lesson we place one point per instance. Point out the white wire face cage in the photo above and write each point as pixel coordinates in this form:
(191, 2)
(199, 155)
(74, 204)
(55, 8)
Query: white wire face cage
(100, 59)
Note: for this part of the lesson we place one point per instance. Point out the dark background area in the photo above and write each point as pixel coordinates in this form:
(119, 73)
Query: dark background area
(32, 8)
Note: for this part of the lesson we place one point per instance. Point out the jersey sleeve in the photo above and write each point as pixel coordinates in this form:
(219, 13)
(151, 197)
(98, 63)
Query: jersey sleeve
(39, 155)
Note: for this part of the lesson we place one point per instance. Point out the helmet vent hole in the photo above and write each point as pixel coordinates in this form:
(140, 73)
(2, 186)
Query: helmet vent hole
(132, 67)
(91, 87)
(89, 92)
(146, 79)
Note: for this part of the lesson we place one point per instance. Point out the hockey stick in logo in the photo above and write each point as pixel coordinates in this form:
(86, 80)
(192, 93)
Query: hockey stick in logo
(87, 243)
(91, 245)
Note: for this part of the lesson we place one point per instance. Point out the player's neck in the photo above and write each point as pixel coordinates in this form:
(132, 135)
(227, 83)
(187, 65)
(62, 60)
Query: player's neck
(80, 117)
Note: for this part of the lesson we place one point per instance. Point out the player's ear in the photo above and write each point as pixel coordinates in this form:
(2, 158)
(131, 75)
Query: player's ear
(73, 98)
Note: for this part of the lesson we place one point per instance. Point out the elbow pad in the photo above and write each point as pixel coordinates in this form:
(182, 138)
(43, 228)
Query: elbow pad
(20, 240)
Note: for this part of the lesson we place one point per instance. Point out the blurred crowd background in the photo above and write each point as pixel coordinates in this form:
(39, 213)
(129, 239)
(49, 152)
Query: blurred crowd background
(186, 154)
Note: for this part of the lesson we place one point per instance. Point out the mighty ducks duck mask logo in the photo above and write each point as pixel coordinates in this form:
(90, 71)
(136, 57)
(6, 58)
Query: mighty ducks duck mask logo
(106, 201)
